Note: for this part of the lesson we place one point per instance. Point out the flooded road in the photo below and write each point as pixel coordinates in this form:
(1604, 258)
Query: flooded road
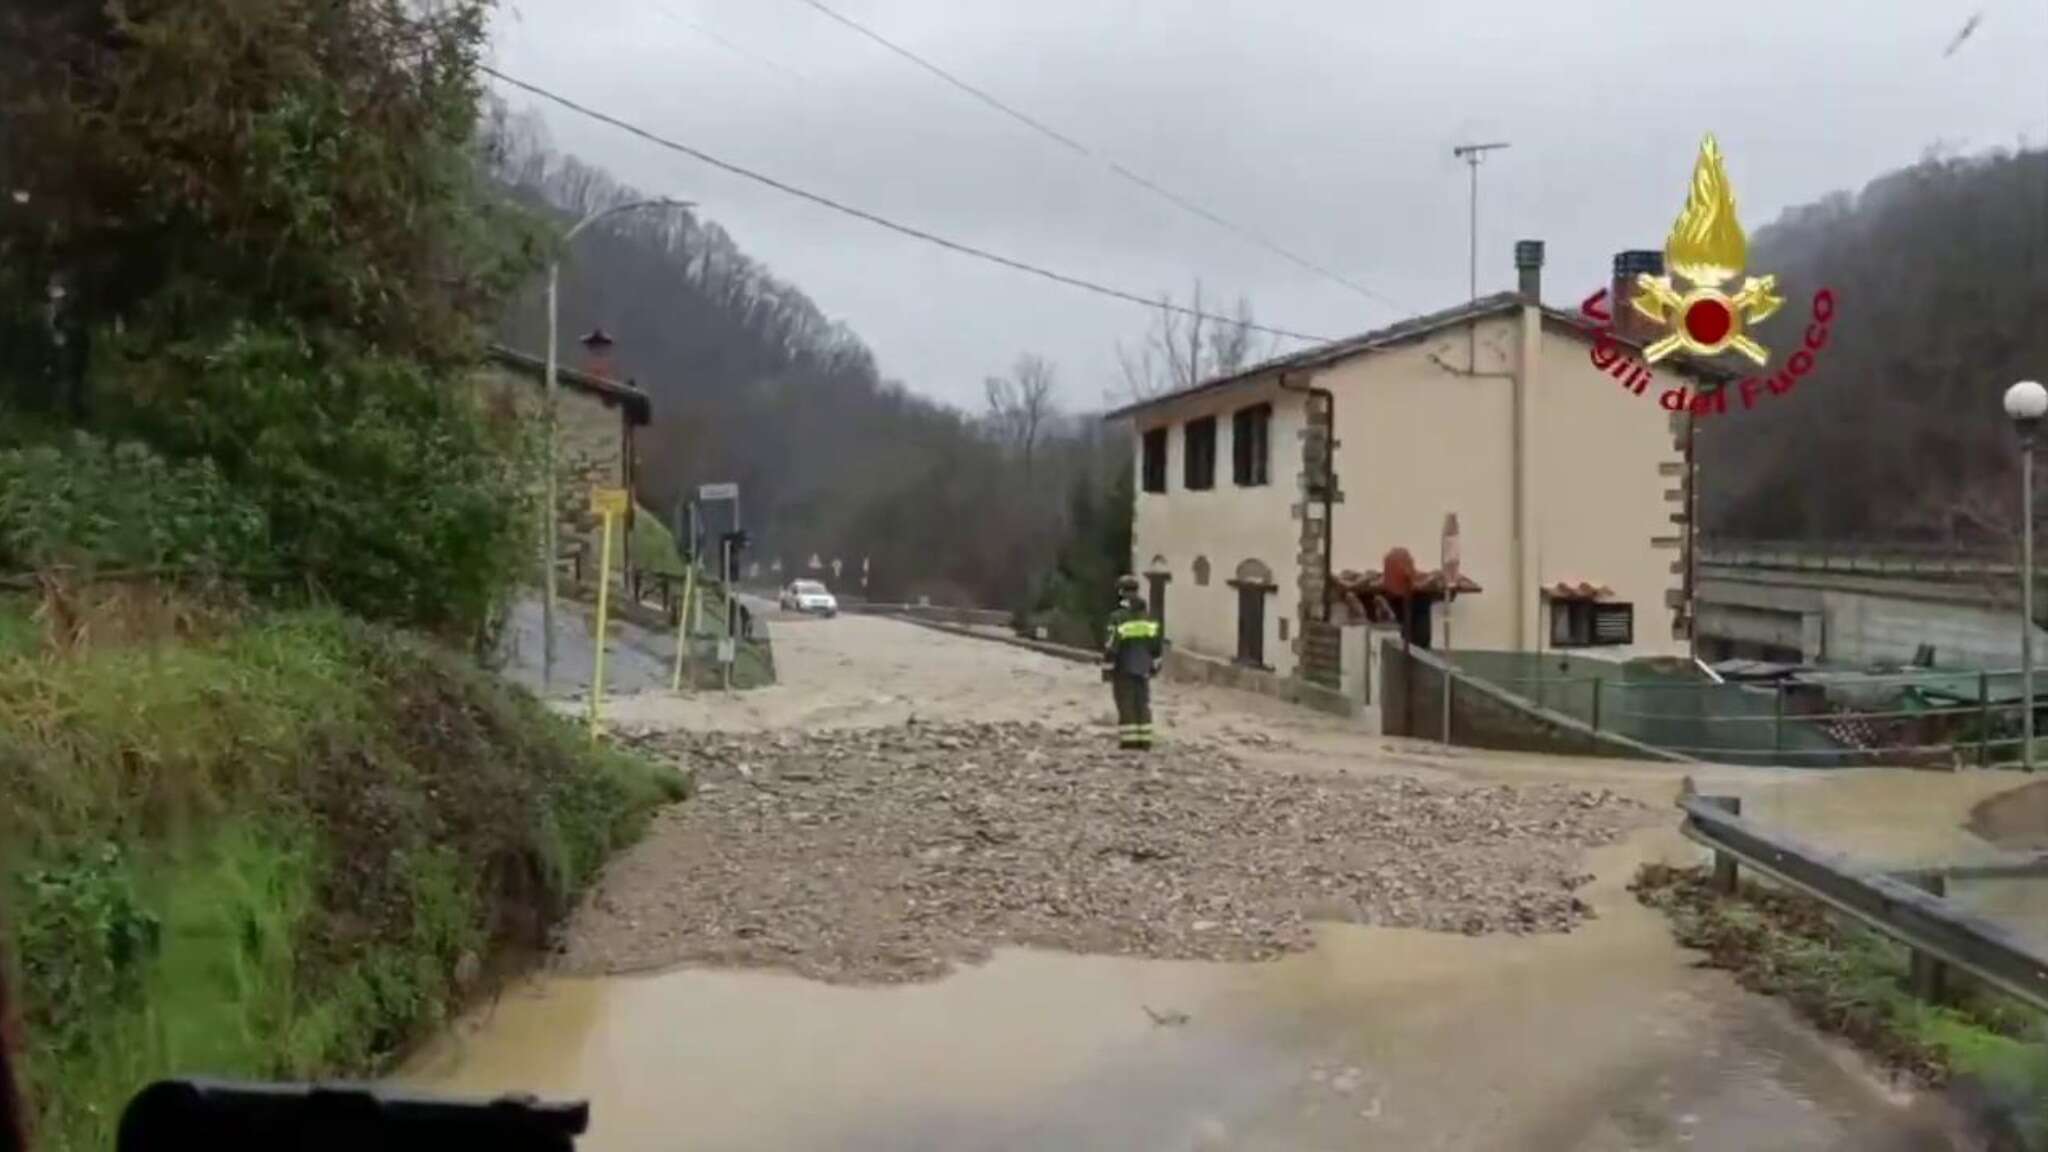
(1604, 1039)
(1608, 1038)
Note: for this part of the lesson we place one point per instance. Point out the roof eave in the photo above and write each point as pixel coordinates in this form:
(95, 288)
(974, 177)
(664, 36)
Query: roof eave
(638, 405)
(1407, 331)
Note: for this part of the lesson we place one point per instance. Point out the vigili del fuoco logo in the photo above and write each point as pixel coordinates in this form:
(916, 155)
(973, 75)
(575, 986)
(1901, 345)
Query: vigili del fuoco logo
(1692, 305)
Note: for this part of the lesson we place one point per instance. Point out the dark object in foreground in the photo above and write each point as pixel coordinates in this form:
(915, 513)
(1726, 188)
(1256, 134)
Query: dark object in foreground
(222, 1116)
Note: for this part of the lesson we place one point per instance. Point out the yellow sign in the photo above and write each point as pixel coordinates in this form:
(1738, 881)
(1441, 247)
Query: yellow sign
(1706, 249)
(608, 501)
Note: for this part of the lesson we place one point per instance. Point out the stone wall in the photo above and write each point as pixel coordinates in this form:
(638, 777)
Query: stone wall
(1482, 716)
(1318, 644)
(1191, 667)
(591, 448)
(1863, 629)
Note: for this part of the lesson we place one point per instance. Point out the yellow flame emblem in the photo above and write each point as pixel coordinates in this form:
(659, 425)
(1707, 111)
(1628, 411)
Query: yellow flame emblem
(1707, 249)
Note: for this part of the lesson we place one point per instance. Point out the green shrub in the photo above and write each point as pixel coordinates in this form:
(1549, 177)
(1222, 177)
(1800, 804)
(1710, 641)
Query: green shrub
(386, 485)
(85, 503)
(272, 853)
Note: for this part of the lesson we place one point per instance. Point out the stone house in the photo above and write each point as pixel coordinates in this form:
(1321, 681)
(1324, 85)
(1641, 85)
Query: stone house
(597, 420)
(1570, 479)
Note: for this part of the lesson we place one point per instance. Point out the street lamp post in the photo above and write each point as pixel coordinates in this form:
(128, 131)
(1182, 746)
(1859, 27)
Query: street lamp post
(549, 509)
(2026, 402)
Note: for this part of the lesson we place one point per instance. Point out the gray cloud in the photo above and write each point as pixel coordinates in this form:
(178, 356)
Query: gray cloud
(1325, 125)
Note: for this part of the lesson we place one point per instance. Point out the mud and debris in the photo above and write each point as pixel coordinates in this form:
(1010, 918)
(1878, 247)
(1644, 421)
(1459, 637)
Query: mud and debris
(890, 854)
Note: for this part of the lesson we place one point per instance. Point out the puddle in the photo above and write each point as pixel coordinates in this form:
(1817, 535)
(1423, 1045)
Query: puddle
(1605, 1039)
(1880, 816)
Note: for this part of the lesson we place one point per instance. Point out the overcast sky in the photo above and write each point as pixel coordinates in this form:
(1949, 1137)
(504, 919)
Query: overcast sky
(1325, 126)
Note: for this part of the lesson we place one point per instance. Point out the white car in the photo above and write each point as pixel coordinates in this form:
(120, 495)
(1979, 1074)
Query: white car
(809, 596)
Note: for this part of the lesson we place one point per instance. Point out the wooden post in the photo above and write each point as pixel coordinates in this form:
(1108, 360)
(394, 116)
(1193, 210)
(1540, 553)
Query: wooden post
(1929, 974)
(1724, 863)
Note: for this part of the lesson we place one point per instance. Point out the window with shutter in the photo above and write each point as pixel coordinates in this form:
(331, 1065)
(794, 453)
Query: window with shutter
(1586, 624)
(1614, 624)
(1155, 460)
(1249, 445)
(1199, 449)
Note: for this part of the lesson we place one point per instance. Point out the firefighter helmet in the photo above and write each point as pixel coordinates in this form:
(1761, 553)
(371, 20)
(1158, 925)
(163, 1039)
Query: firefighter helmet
(1127, 584)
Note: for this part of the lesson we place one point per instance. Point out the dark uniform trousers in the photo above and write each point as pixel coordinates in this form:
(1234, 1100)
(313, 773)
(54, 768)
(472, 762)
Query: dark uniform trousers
(1134, 646)
(1133, 710)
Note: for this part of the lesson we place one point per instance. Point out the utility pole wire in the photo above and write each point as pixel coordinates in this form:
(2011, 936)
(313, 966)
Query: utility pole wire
(883, 221)
(731, 47)
(1075, 146)
(1968, 28)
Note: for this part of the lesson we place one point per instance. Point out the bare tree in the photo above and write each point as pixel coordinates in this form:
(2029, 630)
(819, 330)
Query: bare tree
(1021, 406)
(1187, 346)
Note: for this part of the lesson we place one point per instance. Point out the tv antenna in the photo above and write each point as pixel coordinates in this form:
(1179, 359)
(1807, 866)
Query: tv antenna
(1472, 154)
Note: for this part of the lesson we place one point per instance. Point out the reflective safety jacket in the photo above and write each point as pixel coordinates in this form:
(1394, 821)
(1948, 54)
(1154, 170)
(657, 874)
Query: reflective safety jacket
(1134, 643)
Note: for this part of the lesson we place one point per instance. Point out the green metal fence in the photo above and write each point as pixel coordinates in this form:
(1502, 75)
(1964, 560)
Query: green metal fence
(1818, 720)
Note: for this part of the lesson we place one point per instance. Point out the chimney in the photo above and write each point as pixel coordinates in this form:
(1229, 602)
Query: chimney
(1630, 324)
(1529, 267)
(597, 354)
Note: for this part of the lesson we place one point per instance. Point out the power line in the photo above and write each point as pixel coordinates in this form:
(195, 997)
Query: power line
(729, 46)
(885, 222)
(1075, 146)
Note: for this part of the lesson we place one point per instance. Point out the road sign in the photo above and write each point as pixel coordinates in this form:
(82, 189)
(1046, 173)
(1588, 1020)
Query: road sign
(725, 650)
(835, 567)
(718, 492)
(608, 501)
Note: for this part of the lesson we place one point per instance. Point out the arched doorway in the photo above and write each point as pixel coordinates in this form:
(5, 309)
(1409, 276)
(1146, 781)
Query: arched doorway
(1157, 575)
(1254, 583)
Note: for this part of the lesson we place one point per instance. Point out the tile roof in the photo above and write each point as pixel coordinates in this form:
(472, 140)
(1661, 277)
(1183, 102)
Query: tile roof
(638, 407)
(1429, 582)
(1415, 327)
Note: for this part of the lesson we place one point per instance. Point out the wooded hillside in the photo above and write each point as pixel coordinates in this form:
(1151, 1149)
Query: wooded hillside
(1941, 276)
(753, 383)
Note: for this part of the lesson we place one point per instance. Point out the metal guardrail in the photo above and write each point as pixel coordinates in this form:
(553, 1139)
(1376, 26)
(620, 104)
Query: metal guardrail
(1935, 932)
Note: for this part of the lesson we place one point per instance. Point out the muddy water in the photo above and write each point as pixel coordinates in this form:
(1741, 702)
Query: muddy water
(1605, 1039)
(1879, 816)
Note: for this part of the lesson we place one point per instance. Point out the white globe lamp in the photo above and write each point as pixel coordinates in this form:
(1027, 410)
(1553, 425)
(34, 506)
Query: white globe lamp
(2026, 402)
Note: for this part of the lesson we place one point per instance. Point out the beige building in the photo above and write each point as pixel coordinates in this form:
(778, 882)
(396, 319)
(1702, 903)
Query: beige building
(1570, 483)
(597, 416)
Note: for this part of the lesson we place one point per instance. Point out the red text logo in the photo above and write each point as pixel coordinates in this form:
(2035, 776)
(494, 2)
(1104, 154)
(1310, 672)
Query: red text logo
(1620, 361)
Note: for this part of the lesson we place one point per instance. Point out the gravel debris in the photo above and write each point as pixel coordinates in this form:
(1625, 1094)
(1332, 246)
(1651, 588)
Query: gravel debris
(888, 855)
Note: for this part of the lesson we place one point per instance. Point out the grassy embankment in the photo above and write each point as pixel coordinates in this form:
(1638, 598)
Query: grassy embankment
(654, 550)
(271, 844)
(1853, 982)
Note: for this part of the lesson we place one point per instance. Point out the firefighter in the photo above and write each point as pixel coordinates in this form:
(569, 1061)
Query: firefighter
(1130, 658)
